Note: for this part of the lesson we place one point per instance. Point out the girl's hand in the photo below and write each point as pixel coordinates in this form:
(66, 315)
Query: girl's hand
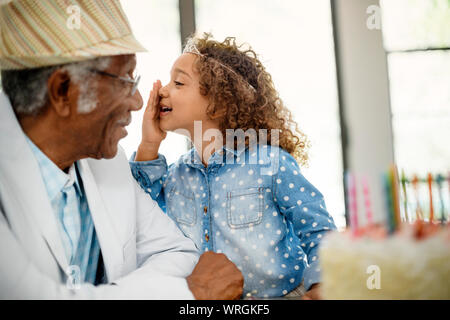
(152, 134)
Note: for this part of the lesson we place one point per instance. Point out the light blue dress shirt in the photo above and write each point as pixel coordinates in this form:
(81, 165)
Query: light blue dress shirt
(253, 205)
(71, 209)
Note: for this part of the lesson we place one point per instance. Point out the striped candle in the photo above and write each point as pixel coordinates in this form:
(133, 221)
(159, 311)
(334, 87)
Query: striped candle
(430, 194)
(367, 203)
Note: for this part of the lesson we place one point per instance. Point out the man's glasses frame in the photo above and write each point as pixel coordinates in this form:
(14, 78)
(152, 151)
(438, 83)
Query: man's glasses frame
(134, 82)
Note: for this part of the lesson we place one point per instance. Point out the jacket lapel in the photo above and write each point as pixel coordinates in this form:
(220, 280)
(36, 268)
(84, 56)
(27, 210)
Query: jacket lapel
(110, 244)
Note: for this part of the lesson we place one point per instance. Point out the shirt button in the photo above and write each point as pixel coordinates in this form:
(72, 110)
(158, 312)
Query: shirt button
(207, 237)
(205, 209)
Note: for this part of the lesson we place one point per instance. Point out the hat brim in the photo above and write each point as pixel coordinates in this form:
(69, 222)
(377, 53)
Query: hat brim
(113, 47)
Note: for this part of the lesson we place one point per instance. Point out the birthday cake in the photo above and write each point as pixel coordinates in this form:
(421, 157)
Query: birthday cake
(413, 263)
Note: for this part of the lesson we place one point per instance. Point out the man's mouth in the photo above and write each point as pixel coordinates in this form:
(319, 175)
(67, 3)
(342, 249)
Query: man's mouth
(124, 122)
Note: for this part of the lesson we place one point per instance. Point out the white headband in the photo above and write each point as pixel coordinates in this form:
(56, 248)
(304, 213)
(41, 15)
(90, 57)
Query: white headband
(192, 48)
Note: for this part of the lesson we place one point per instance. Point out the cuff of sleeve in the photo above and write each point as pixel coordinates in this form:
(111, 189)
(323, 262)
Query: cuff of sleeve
(311, 275)
(147, 172)
(154, 287)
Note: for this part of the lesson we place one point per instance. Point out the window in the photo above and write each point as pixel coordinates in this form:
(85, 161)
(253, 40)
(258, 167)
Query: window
(295, 42)
(417, 39)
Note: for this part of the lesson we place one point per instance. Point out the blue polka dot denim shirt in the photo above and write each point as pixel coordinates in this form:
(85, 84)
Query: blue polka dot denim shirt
(253, 205)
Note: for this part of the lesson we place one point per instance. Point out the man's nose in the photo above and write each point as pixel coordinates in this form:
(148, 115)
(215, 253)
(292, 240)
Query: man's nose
(136, 101)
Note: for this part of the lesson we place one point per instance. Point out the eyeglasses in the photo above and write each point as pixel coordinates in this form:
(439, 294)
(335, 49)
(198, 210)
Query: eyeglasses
(134, 81)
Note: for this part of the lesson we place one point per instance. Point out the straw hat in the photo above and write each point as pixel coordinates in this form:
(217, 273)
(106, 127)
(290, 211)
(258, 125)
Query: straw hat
(38, 33)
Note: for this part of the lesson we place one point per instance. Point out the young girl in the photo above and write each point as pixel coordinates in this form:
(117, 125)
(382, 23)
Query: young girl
(247, 200)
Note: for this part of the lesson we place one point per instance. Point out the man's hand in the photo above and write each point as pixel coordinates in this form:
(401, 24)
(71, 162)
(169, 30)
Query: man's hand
(313, 293)
(215, 278)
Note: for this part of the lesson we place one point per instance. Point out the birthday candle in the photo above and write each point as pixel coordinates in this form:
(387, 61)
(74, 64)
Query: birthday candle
(439, 180)
(448, 181)
(430, 192)
(415, 182)
(352, 202)
(367, 200)
(389, 202)
(395, 196)
(348, 198)
(405, 196)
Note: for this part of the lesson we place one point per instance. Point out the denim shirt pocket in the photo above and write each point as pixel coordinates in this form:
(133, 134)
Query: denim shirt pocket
(245, 207)
(181, 206)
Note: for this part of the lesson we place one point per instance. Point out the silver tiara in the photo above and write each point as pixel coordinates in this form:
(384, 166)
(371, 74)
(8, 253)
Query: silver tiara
(192, 48)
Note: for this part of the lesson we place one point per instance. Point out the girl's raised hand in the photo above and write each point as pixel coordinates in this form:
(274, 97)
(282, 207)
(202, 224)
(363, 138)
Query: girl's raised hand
(152, 134)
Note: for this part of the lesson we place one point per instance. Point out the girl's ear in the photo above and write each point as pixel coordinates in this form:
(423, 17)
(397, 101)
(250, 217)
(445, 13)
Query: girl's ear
(216, 114)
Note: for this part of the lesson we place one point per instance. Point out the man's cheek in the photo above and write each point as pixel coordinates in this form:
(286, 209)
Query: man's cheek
(110, 143)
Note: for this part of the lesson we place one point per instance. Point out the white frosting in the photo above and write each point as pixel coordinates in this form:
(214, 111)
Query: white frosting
(408, 268)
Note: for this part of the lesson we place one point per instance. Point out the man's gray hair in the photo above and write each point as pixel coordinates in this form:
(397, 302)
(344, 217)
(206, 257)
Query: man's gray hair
(28, 92)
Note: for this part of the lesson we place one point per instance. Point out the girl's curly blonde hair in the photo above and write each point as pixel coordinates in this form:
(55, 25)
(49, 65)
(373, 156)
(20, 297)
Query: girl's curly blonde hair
(235, 104)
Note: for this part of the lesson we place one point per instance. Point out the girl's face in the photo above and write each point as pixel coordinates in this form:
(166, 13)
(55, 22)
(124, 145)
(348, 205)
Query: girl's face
(182, 99)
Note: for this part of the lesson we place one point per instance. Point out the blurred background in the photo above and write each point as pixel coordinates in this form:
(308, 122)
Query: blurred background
(322, 53)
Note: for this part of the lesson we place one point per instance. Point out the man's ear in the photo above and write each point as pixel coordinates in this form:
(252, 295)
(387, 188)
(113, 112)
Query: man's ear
(58, 92)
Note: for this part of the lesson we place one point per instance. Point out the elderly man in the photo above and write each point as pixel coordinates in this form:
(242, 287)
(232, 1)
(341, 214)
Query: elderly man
(73, 222)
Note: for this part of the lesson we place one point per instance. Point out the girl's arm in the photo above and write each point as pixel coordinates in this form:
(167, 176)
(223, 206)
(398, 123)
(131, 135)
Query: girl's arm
(302, 204)
(151, 176)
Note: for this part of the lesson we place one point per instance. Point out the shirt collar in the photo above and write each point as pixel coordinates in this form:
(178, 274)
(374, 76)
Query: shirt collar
(55, 179)
(237, 152)
(192, 157)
